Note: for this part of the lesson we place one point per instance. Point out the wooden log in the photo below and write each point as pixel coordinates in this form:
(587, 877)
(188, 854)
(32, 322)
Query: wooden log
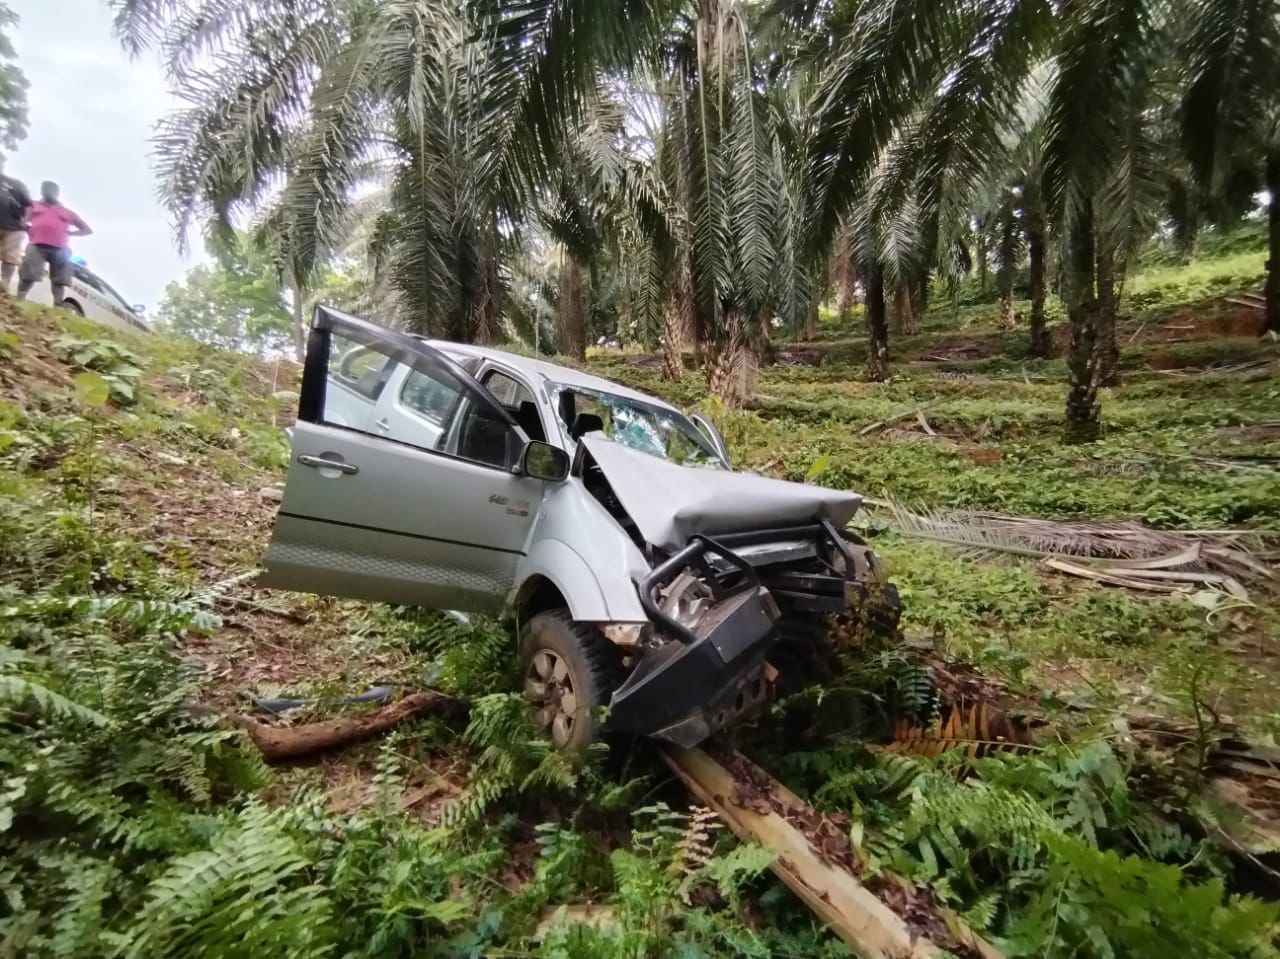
(864, 922)
(283, 743)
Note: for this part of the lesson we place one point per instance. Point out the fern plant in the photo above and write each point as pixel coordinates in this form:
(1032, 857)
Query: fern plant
(1028, 845)
(248, 895)
(514, 755)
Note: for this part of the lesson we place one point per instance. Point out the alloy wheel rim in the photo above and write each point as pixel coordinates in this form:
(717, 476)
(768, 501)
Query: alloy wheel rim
(549, 684)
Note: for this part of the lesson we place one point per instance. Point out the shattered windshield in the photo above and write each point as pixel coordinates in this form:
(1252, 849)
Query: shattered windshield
(640, 426)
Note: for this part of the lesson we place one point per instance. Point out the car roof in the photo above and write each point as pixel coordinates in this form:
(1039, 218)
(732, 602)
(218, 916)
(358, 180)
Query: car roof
(536, 368)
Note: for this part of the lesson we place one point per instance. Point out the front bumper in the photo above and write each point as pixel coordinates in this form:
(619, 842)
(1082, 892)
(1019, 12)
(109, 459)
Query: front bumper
(711, 674)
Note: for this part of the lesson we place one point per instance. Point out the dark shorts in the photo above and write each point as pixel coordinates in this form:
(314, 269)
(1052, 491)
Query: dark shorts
(33, 264)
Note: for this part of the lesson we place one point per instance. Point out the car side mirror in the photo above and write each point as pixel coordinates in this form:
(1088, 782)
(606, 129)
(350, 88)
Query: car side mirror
(544, 461)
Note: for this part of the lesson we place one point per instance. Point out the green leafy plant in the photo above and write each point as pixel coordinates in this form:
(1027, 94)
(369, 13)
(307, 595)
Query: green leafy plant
(116, 367)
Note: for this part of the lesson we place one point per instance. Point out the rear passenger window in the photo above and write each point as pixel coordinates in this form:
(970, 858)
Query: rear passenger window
(355, 367)
(395, 394)
(506, 390)
(427, 397)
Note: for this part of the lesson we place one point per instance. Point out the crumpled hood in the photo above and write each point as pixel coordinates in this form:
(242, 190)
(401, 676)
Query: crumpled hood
(670, 503)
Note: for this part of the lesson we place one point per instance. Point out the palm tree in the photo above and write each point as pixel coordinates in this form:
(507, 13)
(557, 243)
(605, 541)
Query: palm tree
(717, 200)
(913, 108)
(460, 108)
(1230, 114)
(1029, 175)
(877, 120)
(1100, 157)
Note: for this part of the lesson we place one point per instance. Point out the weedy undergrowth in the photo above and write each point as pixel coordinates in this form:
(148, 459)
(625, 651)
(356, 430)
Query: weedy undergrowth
(129, 829)
(1050, 852)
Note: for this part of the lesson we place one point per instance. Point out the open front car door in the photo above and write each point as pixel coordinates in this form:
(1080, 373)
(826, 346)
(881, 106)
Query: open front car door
(437, 517)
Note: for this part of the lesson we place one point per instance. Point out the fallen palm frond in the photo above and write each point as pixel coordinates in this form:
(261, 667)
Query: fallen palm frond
(978, 730)
(1134, 555)
(1242, 777)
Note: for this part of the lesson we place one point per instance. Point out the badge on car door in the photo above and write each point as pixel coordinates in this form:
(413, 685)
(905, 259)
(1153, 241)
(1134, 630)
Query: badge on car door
(519, 507)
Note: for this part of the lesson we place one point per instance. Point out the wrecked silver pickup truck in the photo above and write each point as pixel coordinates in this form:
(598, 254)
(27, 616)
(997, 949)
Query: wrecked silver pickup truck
(644, 574)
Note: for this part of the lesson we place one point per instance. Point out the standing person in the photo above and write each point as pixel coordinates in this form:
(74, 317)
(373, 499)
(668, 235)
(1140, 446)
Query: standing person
(50, 242)
(15, 205)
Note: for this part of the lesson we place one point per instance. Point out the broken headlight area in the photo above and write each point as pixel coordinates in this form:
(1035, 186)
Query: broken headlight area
(719, 606)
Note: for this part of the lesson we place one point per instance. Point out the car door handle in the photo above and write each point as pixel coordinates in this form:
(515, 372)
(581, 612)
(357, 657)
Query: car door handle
(321, 463)
(383, 425)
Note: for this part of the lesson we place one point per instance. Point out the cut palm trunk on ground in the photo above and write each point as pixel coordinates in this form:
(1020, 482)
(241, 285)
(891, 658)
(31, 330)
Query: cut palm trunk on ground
(879, 917)
(1116, 552)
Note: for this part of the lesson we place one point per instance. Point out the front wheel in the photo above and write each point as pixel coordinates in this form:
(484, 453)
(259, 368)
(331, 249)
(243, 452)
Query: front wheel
(570, 670)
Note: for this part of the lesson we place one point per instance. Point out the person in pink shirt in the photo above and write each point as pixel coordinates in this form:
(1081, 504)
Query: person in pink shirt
(49, 243)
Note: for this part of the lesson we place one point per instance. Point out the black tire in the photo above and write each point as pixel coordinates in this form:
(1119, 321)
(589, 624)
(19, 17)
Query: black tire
(592, 666)
(71, 306)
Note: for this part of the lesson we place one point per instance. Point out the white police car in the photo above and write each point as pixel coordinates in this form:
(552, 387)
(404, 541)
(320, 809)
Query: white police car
(93, 297)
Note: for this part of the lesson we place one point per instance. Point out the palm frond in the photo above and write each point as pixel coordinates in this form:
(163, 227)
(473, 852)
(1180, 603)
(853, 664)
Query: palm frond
(230, 145)
(752, 195)
(545, 57)
(1108, 51)
(1231, 52)
(896, 51)
(1238, 554)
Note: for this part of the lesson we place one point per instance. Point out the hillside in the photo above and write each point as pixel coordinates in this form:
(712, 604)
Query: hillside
(1136, 809)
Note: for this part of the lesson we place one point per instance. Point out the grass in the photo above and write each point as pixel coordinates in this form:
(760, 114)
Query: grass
(453, 839)
(1198, 280)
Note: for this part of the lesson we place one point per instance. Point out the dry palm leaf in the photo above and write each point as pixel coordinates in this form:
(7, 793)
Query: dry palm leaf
(1134, 552)
(1106, 577)
(978, 730)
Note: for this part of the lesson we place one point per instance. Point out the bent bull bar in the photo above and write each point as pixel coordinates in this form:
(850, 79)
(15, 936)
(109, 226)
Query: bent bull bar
(713, 673)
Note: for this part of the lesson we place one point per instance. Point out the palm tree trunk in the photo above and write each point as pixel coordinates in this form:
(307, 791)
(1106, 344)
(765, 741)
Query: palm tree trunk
(1041, 345)
(1273, 246)
(673, 339)
(1108, 361)
(299, 324)
(690, 327)
(571, 314)
(877, 326)
(844, 274)
(725, 361)
(1008, 315)
(1004, 274)
(488, 314)
(923, 290)
(1082, 311)
(811, 320)
(756, 351)
(982, 258)
(904, 316)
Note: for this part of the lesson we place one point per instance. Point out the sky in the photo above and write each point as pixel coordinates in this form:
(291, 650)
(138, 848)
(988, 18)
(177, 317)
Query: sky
(93, 111)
